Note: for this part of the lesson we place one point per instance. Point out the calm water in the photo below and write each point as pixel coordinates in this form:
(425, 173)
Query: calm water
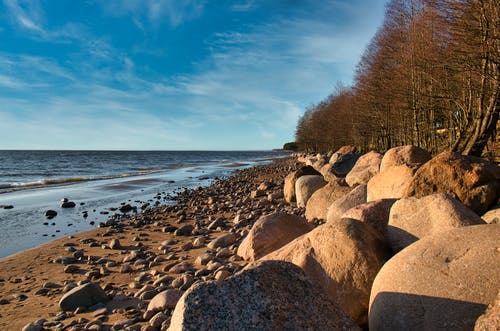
(35, 181)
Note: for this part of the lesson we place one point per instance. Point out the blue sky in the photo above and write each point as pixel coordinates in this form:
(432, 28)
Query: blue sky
(172, 74)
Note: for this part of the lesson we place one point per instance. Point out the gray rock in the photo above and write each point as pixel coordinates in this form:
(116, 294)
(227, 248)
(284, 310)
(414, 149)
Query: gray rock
(271, 295)
(50, 213)
(68, 204)
(344, 164)
(165, 300)
(158, 319)
(33, 326)
(83, 296)
(185, 230)
(223, 241)
(204, 259)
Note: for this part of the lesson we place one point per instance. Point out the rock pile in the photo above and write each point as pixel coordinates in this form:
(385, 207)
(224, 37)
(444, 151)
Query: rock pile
(427, 209)
(394, 241)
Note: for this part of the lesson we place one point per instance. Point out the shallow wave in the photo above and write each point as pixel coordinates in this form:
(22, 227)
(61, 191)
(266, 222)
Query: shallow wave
(147, 169)
(5, 188)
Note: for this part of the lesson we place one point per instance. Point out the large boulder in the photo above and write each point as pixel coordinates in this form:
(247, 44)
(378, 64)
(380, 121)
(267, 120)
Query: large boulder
(305, 186)
(343, 164)
(472, 180)
(490, 320)
(289, 187)
(404, 155)
(412, 218)
(356, 197)
(441, 282)
(342, 258)
(85, 295)
(326, 172)
(365, 168)
(271, 295)
(374, 213)
(390, 184)
(270, 233)
(318, 203)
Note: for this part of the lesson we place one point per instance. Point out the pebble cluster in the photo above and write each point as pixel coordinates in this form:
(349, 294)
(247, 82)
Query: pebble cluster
(142, 264)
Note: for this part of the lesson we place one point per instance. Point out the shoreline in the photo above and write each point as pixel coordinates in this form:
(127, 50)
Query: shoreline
(31, 283)
(25, 225)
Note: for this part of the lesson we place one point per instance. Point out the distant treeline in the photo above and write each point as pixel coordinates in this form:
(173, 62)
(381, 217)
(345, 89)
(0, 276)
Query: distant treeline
(429, 77)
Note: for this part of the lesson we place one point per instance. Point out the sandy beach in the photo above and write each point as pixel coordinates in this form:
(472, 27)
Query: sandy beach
(162, 248)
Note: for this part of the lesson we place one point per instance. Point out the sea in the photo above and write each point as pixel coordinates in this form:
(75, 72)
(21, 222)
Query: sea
(32, 182)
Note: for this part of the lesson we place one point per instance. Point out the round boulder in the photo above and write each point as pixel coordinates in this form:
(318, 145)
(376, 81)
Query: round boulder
(390, 184)
(404, 155)
(365, 168)
(326, 172)
(374, 213)
(270, 295)
(441, 282)
(289, 186)
(318, 203)
(83, 296)
(356, 197)
(305, 186)
(412, 218)
(223, 240)
(343, 259)
(271, 232)
(472, 180)
(165, 300)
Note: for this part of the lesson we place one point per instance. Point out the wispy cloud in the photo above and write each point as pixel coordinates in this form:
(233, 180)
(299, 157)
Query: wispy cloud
(30, 17)
(244, 6)
(156, 11)
(26, 13)
(10, 82)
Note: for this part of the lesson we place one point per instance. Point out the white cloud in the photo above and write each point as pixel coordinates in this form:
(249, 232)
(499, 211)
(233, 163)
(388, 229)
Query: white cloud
(10, 82)
(26, 13)
(156, 11)
(244, 6)
(29, 16)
